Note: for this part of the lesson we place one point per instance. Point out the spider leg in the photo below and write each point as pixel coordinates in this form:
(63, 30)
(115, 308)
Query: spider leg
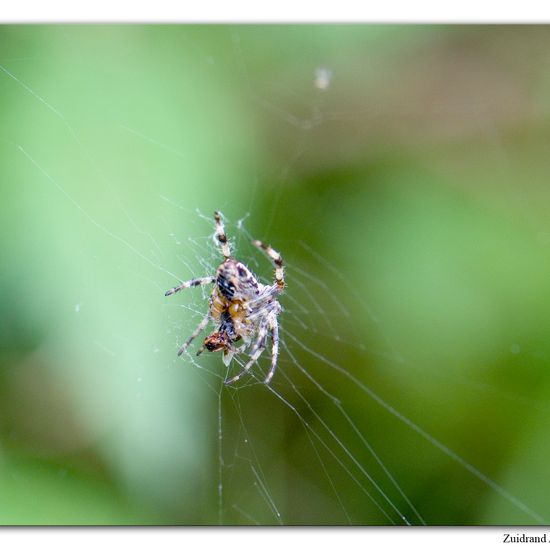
(265, 301)
(255, 352)
(196, 332)
(262, 333)
(274, 326)
(189, 284)
(221, 236)
(277, 260)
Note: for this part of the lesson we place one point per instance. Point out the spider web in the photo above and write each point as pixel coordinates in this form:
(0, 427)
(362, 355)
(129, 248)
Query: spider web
(351, 459)
(334, 438)
(328, 449)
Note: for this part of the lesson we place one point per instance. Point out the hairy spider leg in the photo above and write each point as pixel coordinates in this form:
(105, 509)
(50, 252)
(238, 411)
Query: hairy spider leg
(257, 350)
(196, 332)
(265, 300)
(274, 326)
(262, 334)
(188, 284)
(277, 260)
(221, 236)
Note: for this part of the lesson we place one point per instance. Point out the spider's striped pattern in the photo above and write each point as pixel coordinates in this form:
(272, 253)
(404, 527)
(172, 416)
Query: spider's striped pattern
(241, 307)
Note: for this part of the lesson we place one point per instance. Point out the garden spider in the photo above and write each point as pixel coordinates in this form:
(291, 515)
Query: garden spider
(241, 306)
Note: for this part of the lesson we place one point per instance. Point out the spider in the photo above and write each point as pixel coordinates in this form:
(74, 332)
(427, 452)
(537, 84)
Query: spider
(242, 307)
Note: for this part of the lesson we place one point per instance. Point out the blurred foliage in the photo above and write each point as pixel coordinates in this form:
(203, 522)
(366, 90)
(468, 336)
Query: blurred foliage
(410, 198)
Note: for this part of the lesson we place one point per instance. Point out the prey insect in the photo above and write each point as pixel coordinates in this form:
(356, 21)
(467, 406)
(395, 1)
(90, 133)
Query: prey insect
(242, 308)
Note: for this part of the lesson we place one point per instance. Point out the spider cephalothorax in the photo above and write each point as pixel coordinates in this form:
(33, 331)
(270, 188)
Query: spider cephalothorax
(223, 338)
(240, 306)
(217, 341)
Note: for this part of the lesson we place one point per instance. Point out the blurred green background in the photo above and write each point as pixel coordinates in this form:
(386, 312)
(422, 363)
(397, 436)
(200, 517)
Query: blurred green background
(402, 171)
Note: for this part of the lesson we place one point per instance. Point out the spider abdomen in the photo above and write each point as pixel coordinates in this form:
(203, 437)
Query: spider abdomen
(226, 287)
(236, 282)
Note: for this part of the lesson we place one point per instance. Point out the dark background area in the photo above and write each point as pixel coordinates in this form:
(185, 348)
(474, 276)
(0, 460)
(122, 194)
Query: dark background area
(402, 171)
